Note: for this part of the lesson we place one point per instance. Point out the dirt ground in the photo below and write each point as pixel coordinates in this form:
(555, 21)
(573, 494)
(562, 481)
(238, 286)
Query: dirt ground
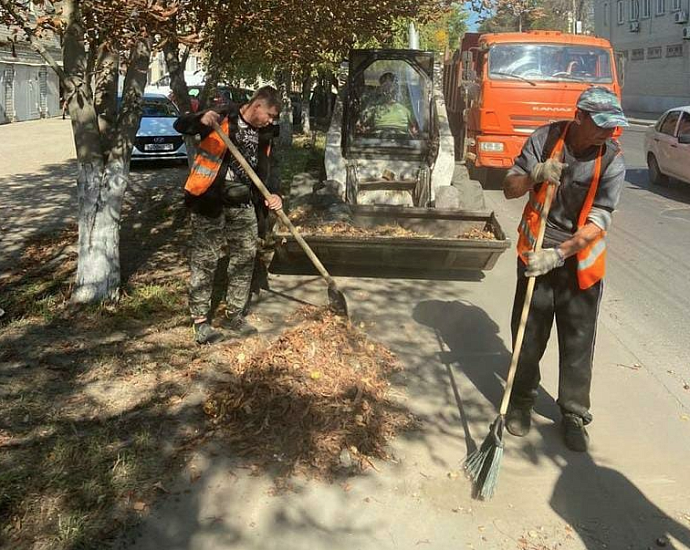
(100, 406)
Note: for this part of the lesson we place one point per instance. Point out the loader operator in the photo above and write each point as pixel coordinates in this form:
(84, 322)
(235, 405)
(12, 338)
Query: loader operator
(224, 206)
(581, 157)
(387, 115)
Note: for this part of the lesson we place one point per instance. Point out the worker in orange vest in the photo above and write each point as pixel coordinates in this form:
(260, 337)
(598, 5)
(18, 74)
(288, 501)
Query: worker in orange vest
(224, 205)
(585, 162)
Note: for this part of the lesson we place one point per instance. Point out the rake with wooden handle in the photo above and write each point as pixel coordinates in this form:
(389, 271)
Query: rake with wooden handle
(336, 299)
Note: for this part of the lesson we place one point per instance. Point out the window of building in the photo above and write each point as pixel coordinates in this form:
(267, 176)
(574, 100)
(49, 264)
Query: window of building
(675, 5)
(620, 11)
(660, 7)
(637, 54)
(654, 52)
(668, 126)
(634, 10)
(606, 14)
(675, 50)
(646, 8)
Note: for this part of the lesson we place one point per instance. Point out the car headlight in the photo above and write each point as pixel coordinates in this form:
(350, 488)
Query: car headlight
(491, 146)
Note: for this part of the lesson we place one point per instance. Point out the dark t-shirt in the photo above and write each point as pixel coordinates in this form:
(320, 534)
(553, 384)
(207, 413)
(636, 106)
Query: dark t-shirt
(237, 183)
(571, 193)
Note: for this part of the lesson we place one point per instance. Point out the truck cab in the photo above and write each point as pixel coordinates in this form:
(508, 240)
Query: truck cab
(514, 83)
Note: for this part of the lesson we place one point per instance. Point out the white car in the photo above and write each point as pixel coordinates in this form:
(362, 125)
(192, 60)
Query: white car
(667, 147)
(156, 138)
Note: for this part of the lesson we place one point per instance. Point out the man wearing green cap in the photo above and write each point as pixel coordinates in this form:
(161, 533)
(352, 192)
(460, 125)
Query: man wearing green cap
(584, 161)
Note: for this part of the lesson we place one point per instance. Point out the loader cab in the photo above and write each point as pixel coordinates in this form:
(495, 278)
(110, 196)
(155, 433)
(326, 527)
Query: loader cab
(388, 108)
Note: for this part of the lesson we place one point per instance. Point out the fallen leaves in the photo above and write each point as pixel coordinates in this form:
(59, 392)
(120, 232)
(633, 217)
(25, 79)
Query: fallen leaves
(321, 388)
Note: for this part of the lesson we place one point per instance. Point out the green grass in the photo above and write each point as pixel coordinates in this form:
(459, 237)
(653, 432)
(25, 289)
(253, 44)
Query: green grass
(301, 157)
(145, 301)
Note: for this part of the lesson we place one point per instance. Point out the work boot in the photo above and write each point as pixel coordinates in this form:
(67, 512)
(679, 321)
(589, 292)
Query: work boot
(204, 334)
(519, 421)
(574, 433)
(238, 325)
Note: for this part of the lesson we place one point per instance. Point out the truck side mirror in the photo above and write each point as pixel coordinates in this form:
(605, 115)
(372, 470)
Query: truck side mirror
(684, 139)
(468, 68)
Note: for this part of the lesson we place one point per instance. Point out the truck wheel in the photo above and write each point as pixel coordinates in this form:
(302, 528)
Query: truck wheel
(494, 178)
(479, 174)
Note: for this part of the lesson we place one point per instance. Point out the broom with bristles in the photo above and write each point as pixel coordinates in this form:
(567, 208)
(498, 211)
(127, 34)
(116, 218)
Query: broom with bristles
(483, 465)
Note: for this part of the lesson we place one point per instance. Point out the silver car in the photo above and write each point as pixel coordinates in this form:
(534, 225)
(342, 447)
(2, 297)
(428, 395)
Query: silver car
(667, 147)
(156, 138)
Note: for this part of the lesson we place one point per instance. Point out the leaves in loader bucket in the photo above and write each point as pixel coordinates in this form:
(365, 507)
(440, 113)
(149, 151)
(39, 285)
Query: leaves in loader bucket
(312, 221)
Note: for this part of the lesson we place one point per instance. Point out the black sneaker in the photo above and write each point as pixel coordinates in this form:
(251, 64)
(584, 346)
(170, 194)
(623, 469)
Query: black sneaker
(204, 334)
(519, 421)
(239, 326)
(574, 433)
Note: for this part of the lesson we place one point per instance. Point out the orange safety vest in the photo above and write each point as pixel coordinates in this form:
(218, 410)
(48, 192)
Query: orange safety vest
(207, 162)
(591, 260)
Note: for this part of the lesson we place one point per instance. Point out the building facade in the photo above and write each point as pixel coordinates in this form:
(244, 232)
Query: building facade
(29, 88)
(158, 71)
(653, 36)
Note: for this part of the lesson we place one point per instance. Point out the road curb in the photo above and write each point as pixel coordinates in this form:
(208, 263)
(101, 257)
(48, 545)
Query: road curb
(641, 122)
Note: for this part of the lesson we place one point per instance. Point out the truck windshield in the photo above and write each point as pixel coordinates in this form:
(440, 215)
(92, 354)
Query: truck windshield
(550, 62)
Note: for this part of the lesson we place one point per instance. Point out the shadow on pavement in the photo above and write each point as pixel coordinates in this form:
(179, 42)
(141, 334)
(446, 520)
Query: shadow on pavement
(675, 190)
(603, 506)
(476, 348)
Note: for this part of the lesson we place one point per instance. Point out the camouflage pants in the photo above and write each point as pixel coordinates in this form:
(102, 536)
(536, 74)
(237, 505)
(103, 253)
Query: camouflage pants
(231, 237)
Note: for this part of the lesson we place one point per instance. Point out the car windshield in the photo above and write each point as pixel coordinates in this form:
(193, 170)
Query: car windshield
(159, 108)
(549, 62)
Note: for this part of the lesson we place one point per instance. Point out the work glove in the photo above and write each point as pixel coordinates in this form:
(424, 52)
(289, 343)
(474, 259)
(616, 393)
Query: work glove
(550, 171)
(540, 263)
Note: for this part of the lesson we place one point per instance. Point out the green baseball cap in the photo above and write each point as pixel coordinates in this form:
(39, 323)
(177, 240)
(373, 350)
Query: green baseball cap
(603, 106)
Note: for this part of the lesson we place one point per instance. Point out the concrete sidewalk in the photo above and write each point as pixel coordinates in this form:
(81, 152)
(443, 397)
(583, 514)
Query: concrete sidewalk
(630, 491)
(37, 182)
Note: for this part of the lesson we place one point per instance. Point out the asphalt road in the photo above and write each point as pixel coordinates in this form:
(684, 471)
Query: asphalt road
(647, 298)
(648, 294)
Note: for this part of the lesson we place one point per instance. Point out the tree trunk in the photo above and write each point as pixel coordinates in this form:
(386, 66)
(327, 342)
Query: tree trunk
(100, 190)
(306, 93)
(286, 112)
(180, 90)
(328, 85)
(101, 184)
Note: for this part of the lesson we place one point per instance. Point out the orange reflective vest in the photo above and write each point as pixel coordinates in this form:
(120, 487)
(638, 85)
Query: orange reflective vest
(207, 162)
(591, 261)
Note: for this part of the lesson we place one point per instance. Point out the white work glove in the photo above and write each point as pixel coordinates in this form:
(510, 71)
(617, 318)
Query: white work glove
(550, 171)
(540, 263)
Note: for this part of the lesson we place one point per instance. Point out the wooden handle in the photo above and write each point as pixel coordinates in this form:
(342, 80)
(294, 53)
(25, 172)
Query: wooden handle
(525, 308)
(267, 195)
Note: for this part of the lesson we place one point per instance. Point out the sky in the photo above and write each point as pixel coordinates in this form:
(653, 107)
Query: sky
(473, 21)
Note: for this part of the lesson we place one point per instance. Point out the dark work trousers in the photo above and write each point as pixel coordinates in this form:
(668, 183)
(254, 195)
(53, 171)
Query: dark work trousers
(233, 235)
(557, 294)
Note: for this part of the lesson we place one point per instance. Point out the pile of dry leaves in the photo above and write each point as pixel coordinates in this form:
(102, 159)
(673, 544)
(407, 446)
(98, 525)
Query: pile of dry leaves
(319, 391)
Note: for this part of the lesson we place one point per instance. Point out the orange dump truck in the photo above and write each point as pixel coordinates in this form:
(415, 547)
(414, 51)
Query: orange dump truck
(500, 87)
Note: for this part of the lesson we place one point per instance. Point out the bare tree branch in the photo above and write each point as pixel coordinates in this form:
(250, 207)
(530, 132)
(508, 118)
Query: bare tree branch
(10, 7)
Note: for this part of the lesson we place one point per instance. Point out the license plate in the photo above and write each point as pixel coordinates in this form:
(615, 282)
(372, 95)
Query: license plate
(158, 147)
